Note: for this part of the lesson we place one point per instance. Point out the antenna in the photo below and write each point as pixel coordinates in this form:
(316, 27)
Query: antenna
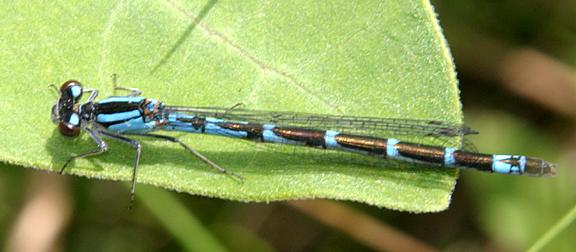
(55, 89)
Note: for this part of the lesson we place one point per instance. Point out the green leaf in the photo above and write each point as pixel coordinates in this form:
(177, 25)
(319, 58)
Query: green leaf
(369, 58)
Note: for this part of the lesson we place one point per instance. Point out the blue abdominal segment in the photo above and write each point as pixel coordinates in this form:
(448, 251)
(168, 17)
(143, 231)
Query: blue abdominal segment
(330, 140)
(449, 159)
(508, 164)
(391, 150)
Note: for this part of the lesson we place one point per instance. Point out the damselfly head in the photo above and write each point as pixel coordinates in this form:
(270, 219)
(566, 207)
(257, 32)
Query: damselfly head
(63, 112)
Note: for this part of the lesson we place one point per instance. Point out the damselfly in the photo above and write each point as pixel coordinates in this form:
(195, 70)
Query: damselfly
(118, 116)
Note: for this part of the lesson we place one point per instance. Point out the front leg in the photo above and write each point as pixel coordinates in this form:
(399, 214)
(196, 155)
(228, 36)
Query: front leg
(133, 91)
(93, 94)
(102, 147)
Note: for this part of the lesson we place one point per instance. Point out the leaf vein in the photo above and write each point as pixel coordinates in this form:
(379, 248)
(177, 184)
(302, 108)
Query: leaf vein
(259, 63)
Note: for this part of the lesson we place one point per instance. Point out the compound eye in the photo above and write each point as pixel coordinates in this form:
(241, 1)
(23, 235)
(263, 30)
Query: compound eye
(72, 88)
(70, 126)
(68, 129)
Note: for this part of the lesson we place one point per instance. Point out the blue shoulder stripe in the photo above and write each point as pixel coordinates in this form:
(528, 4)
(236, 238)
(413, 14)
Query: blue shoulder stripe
(106, 118)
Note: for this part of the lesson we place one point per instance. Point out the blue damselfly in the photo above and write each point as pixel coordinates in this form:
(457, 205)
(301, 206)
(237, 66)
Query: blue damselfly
(117, 117)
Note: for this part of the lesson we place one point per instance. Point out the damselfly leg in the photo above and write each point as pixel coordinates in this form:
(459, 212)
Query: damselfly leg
(136, 145)
(195, 153)
(102, 147)
(133, 91)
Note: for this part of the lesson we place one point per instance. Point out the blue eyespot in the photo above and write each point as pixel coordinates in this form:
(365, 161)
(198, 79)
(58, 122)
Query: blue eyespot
(74, 119)
(76, 91)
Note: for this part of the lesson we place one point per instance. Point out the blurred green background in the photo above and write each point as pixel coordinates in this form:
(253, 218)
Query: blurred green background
(515, 62)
